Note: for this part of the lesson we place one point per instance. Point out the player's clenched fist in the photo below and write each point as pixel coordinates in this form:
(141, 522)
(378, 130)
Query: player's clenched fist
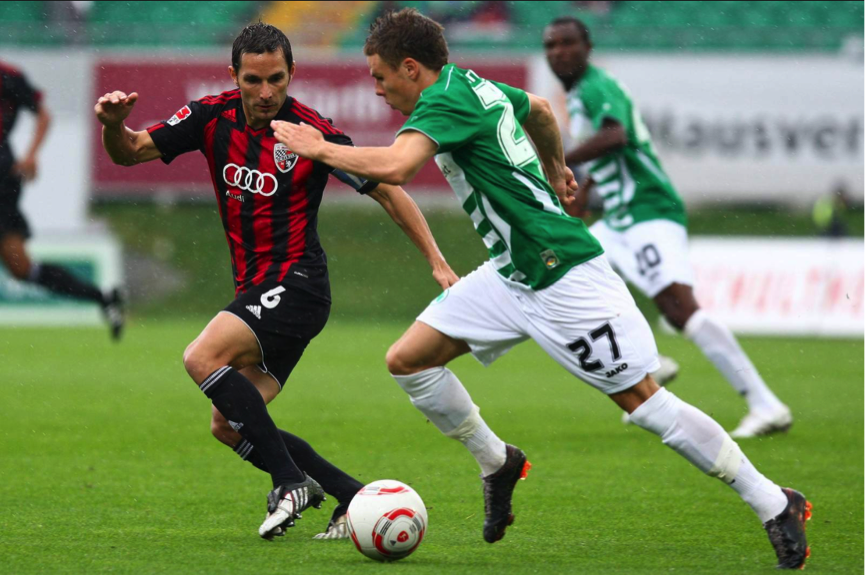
(114, 107)
(302, 139)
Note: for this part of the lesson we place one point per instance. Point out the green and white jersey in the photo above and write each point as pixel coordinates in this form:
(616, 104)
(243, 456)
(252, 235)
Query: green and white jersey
(631, 180)
(497, 177)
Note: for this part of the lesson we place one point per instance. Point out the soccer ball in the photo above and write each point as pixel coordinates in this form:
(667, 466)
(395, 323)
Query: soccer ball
(386, 520)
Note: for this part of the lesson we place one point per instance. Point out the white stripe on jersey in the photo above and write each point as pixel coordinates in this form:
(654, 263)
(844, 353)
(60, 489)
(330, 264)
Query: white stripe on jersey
(499, 224)
(540, 195)
(609, 187)
(456, 177)
(601, 174)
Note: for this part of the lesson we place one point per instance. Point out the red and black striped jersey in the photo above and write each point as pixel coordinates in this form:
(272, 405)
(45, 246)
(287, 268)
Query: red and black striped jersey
(15, 93)
(268, 196)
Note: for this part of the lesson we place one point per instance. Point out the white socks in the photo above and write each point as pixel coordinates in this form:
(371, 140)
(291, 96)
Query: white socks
(721, 348)
(442, 398)
(703, 443)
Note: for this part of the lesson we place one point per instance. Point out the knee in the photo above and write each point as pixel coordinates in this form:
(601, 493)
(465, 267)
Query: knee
(197, 363)
(676, 318)
(678, 313)
(19, 268)
(400, 363)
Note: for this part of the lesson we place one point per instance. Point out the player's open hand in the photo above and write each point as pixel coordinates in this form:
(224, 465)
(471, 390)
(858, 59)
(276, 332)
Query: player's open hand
(302, 139)
(114, 107)
(445, 276)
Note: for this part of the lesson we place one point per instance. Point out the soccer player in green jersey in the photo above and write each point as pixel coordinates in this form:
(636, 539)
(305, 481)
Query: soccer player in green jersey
(547, 278)
(643, 230)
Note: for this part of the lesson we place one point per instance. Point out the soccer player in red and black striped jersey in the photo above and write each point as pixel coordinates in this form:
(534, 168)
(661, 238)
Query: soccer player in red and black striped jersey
(16, 94)
(268, 200)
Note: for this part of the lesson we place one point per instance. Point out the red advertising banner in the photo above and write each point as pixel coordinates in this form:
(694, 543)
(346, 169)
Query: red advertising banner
(337, 89)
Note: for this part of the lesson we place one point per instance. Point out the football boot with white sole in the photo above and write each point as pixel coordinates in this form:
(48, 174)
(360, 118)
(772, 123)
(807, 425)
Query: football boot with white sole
(285, 504)
(763, 423)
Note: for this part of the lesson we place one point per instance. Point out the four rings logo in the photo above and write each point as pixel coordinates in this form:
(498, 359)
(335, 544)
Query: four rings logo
(250, 180)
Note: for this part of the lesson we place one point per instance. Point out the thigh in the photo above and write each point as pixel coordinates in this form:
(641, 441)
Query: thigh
(481, 311)
(423, 347)
(659, 251)
(589, 324)
(226, 340)
(282, 320)
(12, 220)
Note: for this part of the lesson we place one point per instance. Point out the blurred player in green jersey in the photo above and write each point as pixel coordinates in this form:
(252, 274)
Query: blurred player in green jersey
(643, 230)
(547, 278)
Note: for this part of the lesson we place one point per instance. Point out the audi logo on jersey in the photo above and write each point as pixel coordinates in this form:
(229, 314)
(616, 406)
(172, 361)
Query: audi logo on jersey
(250, 180)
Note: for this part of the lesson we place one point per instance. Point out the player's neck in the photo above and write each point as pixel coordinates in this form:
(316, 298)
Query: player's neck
(573, 80)
(427, 78)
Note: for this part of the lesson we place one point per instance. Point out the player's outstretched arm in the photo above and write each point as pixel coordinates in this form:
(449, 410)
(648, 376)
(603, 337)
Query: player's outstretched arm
(26, 167)
(396, 164)
(403, 210)
(125, 147)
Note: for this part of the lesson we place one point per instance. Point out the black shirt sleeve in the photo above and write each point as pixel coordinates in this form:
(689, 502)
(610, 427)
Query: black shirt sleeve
(362, 186)
(183, 132)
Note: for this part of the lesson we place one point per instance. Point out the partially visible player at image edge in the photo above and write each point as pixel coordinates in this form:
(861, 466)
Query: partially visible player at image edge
(547, 278)
(643, 230)
(16, 94)
(268, 198)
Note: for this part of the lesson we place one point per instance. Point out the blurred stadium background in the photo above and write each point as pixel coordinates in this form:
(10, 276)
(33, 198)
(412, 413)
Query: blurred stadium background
(755, 107)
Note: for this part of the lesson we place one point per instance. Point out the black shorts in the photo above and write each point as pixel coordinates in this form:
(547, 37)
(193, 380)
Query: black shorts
(284, 319)
(11, 218)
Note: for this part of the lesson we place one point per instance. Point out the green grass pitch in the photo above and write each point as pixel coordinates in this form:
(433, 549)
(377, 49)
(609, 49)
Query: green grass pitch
(107, 464)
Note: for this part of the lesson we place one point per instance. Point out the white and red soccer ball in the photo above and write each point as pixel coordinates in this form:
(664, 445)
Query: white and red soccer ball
(387, 520)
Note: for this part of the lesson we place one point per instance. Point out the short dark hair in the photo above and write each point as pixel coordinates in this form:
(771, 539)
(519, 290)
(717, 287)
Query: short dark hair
(581, 26)
(396, 36)
(259, 38)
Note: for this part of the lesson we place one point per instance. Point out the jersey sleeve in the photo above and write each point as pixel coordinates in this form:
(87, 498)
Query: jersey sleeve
(444, 122)
(183, 132)
(22, 92)
(602, 100)
(519, 99)
(361, 185)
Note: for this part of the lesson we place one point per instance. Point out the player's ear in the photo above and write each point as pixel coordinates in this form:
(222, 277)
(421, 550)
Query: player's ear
(291, 71)
(412, 68)
(233, 74)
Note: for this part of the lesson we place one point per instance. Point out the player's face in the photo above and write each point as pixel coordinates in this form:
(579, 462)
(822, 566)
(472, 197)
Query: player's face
(263, 80)
(393, 84)
(567, 51)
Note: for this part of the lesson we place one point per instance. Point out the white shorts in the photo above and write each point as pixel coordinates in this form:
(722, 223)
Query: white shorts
(650, 255)
(587, 321)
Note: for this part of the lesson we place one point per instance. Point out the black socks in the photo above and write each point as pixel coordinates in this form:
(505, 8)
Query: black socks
(241, 402)
(60, 281)
(333, 480)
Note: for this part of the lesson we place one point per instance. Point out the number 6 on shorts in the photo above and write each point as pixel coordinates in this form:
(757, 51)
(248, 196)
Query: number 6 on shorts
(270, 299)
